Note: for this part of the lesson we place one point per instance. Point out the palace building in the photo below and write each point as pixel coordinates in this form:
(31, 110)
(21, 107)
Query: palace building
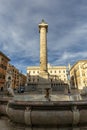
(57, 76)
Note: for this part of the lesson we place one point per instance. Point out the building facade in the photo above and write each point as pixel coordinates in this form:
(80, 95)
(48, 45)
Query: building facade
(3, 69)
(13, 72)
(57, 76)
(16, 78)
(22, 79)
(78, 74)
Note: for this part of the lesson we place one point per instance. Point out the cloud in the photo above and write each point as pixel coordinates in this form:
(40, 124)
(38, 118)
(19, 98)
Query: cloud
(70, 57)
(71, 38)
(67, 30)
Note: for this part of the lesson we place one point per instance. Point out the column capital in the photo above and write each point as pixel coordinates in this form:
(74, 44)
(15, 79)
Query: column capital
(43, 24)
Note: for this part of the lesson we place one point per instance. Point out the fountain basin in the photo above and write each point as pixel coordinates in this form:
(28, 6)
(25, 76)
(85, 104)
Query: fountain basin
(40, 112)
(3, 105)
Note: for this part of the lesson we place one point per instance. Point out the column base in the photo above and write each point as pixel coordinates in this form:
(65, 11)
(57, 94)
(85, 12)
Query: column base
(44, 82)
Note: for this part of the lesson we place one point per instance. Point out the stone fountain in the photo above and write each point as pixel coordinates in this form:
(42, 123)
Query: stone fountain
(46, 109)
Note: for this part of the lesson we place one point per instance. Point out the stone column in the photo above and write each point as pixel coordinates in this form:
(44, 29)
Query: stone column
(43, 75)
(43, 28)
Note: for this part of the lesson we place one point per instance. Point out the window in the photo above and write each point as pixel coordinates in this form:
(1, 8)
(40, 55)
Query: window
(59, 71)
(0, 75)
(5, 67)
(64, 79)
(3, 76)
(2, 59)
(51, 80)
(38, 80)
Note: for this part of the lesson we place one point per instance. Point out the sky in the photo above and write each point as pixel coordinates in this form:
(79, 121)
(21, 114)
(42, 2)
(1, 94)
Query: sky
(66, 37)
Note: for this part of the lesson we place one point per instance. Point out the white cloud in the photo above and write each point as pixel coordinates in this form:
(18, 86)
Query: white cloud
(70, 57)
(72, 38)
(19, 35)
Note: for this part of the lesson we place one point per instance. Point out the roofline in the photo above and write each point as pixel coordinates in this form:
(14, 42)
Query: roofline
(4, 55)
(77, 63)
(51, 67)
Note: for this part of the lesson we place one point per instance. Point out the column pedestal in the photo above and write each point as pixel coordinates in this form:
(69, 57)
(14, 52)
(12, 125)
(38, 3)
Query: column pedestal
(44, 82)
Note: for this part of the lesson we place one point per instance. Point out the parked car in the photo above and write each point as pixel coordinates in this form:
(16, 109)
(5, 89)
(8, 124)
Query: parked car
(21, 89)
